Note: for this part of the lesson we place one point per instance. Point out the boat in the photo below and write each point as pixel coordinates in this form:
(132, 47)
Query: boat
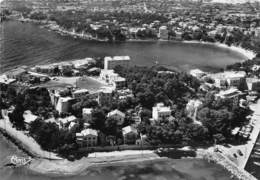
(257, 163)
(255, 156)
(19, 161)
(257, 153)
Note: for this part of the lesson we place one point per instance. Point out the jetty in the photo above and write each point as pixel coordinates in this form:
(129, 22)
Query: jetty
(230, 166)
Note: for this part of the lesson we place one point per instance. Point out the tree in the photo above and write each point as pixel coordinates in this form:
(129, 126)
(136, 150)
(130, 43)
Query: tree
(98, 119)
(16, 117)
(112, 127)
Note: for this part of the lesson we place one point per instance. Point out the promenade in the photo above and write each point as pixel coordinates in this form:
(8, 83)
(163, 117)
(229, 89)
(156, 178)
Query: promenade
(26, 141)
(246, 149)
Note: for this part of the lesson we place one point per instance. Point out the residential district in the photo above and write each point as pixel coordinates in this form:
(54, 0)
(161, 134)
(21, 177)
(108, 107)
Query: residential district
(77, 107)
(111, 20)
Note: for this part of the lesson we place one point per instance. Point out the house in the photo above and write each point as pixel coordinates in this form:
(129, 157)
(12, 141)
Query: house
(17, 73)
(112, 62)
(87, 114)
(124, 94)
(129, 134)
(83, 62)
(163, 33)
(230, 93)
(161, 112)
(5, 80)
(87, 137)
(66, 121)
(28, 118)
(253, 84)
(228, 78)
(104, 97)
(72, 125)
(64, 104)
(192, 106)
(108, 76)
(119, 83)
(118, 115)
(197, 73)
(112, 78)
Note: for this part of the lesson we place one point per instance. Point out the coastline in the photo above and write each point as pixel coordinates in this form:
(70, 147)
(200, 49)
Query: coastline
(248, 53)
(65, 168)
(104, 160)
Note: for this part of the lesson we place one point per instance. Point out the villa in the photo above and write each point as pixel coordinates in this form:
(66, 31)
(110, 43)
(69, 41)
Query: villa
(253, 84)
(129, 134)
(161, 112)
(118, 115)
(5, 80)
(64, 104)
(87, 137)
(112, 62)
(230, 93)
(66, 121)
(28, 118)
(228, 78)
(87, 114)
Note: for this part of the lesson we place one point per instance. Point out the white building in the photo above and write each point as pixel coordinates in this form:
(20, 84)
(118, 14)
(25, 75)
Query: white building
(129, 134)
(161, 112)
(163, 33)
(5, 80)
(197, 73)
(230, 93)
(228, 78)
(87, 114)
(257, 33)
(119, 83)
(118, 115)
(87, 137)
(253, 84)
(66, 121)
(83, 62)
(108, 76)
(104, 97)
(28, 118)
(112, 62)
(64, 104)
(112, 78)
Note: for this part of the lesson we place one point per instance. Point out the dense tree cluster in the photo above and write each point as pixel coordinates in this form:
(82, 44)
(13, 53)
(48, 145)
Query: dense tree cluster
(246, 66)
(220, 116)
(150, 87)
(52, 138)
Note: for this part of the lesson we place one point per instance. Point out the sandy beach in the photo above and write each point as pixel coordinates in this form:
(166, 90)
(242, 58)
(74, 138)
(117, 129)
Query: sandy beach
(249, 54)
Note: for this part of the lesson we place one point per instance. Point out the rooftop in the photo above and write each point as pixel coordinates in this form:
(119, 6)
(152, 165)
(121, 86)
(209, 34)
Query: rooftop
(86, 132)
(129, 129)
(229, 74)
(116, 112)
(80, 91)
(29, 117)
(117, 58)
(87, 110)
(67, 119)
(4, 79)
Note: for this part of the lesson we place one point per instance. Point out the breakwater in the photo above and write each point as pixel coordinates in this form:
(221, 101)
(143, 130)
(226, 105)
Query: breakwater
(237, 172)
